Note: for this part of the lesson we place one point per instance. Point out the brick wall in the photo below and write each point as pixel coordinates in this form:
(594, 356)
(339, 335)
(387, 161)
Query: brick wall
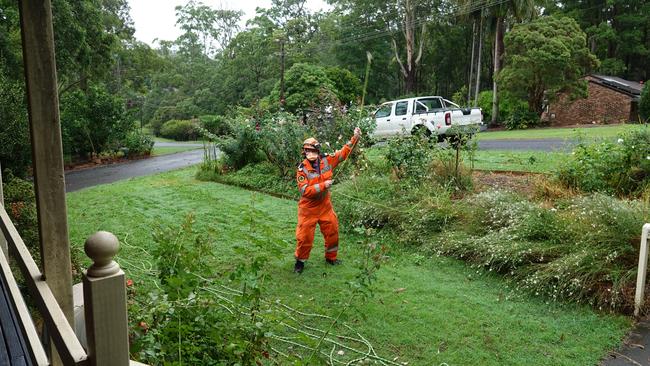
(602, 106)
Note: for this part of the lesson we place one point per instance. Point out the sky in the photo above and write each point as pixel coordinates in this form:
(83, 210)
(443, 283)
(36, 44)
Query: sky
(157, 18)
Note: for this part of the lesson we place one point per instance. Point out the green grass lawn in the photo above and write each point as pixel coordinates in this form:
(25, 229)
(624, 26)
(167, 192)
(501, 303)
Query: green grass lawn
(595, 132)
(496, 160)
(425, 311)
(162, 139)
(520, 161)
(157, 150)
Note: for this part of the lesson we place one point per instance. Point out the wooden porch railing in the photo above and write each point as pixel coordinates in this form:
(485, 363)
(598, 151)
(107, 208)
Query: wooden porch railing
(104, 303)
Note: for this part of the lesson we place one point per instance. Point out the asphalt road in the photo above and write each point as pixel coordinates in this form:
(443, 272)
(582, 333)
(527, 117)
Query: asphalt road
(76, 180)
(533, 144)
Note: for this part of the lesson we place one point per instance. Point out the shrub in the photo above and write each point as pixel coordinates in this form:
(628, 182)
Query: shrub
(138, 143)
(217, 125)
(93, 121)
(622, 168)
(307, 86)
(521, 118)
(214, 331)
(508, 104)
(644, 103)
(335, 128)
(242, 147)
(409, 157)
(261, 177)
(281, 138)
(20, 203)
(583, 250)
(15, 152)
(164, 114)
(485, 103)
(375, 202)
(460, 97)
(347, 86)
(180, 130)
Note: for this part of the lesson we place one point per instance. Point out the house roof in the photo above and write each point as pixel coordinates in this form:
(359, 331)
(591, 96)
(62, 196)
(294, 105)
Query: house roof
(627, 87)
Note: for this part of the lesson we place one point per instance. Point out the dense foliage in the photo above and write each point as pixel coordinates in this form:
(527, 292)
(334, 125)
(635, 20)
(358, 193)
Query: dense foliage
(621, 168)
(180, 130)
(93, 121)
(582, 249)
(644, 104)
(185, 321)
(20, 203)
(543, 57)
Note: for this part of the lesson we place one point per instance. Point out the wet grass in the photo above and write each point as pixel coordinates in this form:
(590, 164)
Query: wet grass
(519, 161)
(158, 151)
(590, 132)
(425, 311)
(497, 160)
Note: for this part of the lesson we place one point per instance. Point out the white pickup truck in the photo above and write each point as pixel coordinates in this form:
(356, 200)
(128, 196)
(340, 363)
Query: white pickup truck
(431, 116)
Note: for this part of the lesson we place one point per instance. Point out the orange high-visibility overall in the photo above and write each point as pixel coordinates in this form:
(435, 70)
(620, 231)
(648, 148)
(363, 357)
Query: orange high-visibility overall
(315, 206)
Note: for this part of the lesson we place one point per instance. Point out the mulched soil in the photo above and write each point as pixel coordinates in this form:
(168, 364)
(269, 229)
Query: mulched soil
(80, 165)
(520, 182)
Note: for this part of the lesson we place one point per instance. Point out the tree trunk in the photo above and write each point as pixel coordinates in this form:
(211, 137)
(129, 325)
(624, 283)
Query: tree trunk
(471, 69)
(409, 68)
(498, 41)
(478, 63)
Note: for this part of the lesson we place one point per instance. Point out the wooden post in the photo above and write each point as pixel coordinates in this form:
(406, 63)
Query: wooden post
(642, 271)
(105, 303)
(47, 151)
(3, 240)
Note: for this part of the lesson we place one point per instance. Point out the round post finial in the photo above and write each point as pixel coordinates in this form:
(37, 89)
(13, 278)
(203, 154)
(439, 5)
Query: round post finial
(101, 247)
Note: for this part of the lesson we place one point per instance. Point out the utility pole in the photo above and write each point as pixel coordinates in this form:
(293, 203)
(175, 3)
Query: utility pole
(282, 101)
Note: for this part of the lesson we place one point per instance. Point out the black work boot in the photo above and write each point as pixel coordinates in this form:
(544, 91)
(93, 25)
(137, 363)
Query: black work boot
(334, 262)
(298, 267)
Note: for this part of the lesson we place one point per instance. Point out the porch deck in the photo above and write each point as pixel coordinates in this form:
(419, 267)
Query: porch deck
(13, 348)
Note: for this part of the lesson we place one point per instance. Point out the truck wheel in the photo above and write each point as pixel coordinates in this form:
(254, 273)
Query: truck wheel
(421, 131)
(457, 141)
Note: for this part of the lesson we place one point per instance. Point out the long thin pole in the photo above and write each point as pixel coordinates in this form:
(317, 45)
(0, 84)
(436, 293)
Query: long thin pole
(478, 63)
(471, 69)
(365, 81)
(282, 101)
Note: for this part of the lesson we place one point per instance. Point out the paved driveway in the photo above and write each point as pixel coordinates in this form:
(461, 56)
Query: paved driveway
(76, 180)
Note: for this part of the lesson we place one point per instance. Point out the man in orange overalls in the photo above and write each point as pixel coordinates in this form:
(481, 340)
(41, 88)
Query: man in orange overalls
(314, 178)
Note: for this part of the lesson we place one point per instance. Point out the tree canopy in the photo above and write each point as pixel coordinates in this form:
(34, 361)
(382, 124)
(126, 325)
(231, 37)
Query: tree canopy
(418, 47)
(547, 55)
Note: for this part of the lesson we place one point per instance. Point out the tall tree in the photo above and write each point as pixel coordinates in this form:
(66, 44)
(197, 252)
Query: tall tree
(517, 10)
(410, 26)
(618, 33)
(404, 21)
(547, 55)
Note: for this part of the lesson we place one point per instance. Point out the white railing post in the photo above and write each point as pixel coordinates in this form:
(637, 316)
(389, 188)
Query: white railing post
(105, 303)
(3, 240)
(643, 268)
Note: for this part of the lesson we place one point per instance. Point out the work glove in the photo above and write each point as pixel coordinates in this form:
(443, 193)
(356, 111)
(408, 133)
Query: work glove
(328, 183)
(357, 132)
